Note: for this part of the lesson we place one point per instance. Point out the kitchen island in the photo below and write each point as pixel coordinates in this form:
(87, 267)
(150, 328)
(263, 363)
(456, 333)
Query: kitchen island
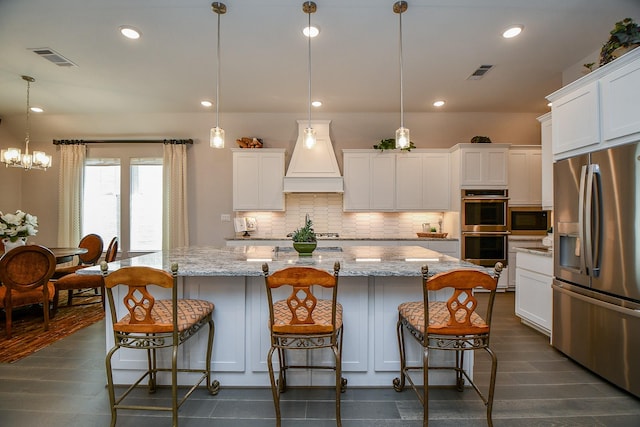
(374, 280)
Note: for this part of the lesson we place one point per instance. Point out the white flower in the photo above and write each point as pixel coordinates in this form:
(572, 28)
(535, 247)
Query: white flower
(17, 225)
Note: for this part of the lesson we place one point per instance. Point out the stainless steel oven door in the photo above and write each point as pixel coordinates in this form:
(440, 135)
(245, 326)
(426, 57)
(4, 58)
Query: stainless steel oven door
(484, 249)
(484, 215)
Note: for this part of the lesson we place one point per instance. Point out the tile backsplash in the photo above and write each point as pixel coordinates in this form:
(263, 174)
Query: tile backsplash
(325, 210)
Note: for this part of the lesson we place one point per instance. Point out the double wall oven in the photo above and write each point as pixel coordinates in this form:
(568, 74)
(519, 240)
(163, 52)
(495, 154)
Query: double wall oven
(484, 226)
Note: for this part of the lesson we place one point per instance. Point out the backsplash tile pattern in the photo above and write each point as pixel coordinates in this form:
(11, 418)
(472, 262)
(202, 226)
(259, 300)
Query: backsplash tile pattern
(325, 210)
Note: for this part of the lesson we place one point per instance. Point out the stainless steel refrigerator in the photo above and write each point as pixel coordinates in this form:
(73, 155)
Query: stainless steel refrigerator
(596, 290)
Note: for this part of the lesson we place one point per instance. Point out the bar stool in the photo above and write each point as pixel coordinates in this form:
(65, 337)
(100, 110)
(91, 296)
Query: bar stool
(151, 324)
(304, 322)
(453, 325)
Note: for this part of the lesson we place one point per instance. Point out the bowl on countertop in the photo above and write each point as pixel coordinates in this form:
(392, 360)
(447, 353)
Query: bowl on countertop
(433, 235)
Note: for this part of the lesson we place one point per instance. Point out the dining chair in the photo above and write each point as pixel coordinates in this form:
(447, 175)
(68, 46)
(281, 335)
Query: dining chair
(93, 244)
(303, 322)
(74, 281)
(142, 322)
(24, 273)
(453, 325)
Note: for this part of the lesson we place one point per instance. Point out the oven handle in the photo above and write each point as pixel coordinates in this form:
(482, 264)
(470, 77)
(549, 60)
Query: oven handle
(486, 233)
(485, 199)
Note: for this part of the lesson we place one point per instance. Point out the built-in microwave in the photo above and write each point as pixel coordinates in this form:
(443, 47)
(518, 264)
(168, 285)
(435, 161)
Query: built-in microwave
(529, 220)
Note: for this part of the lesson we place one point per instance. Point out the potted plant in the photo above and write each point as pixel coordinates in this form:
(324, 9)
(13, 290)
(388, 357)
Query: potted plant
(625, 35)
(15, 228)
(304, 238)
(390, 144)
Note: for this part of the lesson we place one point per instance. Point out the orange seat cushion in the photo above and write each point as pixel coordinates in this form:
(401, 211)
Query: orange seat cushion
(75, 281)
(439, 317)
(20, 299)
(321, 317)
(190, 312)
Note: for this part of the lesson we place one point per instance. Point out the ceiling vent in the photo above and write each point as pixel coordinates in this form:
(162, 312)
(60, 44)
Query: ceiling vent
(480, 72)
(53, 56)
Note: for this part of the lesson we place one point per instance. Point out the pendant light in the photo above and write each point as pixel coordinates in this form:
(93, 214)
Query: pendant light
(403, 139)
(216, 137)
(309, 7)
(14, 158)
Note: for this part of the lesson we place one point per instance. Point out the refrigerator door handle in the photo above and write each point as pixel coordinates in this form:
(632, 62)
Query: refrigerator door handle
(581, 220)
(596, 220)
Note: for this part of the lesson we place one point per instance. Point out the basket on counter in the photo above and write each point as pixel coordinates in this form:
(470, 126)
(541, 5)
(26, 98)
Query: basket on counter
(433, 235)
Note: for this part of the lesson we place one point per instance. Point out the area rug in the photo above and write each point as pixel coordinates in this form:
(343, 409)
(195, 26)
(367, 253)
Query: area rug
(28, 335)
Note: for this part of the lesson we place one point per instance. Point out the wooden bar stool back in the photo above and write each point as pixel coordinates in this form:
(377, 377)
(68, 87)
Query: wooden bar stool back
(304, 322)
(453, 325)
(151, 324)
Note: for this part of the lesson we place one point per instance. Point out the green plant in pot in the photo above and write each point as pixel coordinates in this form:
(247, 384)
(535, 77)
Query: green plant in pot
(304, 238)
(625, 34)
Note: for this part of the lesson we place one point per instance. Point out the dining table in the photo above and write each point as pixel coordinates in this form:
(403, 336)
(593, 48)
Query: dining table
(63, 254)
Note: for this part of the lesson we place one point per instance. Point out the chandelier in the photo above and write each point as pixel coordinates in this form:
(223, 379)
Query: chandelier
(14, 157)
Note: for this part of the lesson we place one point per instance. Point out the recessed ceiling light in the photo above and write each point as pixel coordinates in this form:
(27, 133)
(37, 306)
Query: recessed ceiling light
(36, 109)
(206, 103)
(512, 31)
(310, 31)
(130, 32)
(316, 103)
(438, 103)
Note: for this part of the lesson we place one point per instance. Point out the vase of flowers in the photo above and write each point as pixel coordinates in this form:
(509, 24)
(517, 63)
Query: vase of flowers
(304, 238)
(15, 228)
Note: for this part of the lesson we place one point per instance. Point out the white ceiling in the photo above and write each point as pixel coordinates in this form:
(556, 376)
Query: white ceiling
(264, 55)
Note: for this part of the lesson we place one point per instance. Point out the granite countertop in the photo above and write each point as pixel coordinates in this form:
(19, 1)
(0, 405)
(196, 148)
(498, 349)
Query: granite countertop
(405, 261)
(546, 252)
(338, 239)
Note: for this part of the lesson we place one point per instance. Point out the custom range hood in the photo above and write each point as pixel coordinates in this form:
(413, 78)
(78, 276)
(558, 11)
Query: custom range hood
(313, 170)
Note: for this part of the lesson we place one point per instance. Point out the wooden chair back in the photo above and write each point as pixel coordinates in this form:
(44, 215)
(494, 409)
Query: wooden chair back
(26, 270)
(460, 317)
(138, 300)
(94, 245)
(301, 302)
(112, 250)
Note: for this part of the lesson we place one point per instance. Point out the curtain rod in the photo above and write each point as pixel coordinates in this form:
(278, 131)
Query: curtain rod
(128, 141)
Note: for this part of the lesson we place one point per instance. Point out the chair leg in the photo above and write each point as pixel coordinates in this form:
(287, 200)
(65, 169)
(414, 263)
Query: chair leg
(69, 297)
(151, 366)
(274, 387)
(459, 368)
(492, 385)
(8, 322)
(398, 383)
(213, 386)
(174, 384)
(56, 297)
(110, 387)
(425, 379)
(337, 353)
(282, 373)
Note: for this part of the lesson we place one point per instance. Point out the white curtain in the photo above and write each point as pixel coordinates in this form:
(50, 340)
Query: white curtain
(175, 213)
(70, 185)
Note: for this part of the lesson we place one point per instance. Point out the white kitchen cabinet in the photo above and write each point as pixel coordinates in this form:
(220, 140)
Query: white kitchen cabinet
(598, 110)
(258, 179)
(534, 275)
(422, 181)
(369, 180)
(482, 165)
(525, 175)
(547, 161)
(620, 91)
(513, 243)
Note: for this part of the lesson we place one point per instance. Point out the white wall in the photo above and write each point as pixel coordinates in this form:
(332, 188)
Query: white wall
(210, 170)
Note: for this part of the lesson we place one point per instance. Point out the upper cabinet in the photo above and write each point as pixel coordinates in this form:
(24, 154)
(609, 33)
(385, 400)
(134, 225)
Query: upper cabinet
(422, 181)
(258, 179)
(598, 110)
(525, 175)
(369, 180)
(396, 181)
(547, 161)
(482, 165)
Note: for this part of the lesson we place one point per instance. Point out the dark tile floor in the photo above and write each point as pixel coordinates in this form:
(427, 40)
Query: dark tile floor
(64, 385)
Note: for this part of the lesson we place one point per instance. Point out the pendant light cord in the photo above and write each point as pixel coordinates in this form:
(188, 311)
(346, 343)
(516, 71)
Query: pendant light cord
(26, 138)
(309, 66)
(218, 77)
(401, 79)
